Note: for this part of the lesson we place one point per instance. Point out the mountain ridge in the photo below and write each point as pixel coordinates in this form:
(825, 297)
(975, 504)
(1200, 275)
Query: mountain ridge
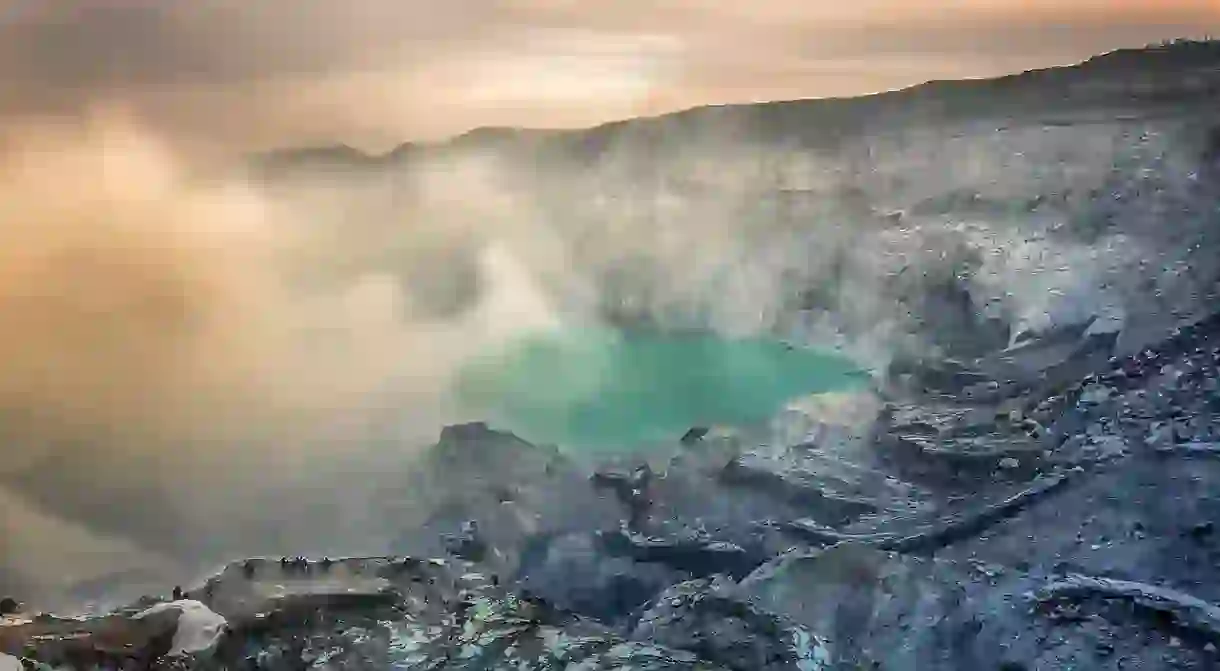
(1197, 61)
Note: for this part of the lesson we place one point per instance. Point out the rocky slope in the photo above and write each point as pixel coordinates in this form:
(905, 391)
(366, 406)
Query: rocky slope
(1032, 484)
(946, 218)
(1070, 523)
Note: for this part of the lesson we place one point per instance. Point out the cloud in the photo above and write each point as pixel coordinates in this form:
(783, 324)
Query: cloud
(184, 361)
(380, 71)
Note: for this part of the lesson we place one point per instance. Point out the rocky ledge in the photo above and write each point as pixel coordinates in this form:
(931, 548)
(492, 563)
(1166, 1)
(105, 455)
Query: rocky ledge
(402, 613)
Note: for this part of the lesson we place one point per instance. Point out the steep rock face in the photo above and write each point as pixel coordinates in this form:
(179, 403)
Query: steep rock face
(479, 481)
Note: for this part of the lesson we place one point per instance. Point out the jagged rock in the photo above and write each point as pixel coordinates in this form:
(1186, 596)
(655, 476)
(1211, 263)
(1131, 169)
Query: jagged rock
(799, 489)
(702, 616)
(631, 489)
(467, 544)
(694, 435)
(490, 632)
(436, 614)
(1064, 332)
(694, 554)
(1191, 449)
(1095, 395)
(946, 375)
(509, 490)
(142, 638)
(891, 610)
(1162, 436)
(945, 529)
(471, 432)
(573, 572)
(874, 607)
(197, 629)
(1184, 610)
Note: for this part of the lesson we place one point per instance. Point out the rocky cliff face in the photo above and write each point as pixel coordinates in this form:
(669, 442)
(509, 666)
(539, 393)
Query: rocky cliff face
(940, 219)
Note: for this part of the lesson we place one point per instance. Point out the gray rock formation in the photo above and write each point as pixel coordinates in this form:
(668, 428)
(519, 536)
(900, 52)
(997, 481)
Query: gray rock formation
(375, 613)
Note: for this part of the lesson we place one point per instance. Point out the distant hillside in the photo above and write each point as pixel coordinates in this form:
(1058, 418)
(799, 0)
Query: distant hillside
(1172, 78)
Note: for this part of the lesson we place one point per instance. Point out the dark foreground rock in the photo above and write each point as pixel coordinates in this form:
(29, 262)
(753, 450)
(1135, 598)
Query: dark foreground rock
(372, 613)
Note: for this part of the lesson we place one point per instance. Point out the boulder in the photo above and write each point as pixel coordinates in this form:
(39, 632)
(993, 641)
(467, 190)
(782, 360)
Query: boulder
(704, 617)
(198, 629)
(573, 572)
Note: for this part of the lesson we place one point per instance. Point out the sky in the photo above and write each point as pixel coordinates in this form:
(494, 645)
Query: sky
(371, 73)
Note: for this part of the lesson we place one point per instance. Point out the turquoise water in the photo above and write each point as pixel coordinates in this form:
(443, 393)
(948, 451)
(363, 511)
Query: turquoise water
(606, 390)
